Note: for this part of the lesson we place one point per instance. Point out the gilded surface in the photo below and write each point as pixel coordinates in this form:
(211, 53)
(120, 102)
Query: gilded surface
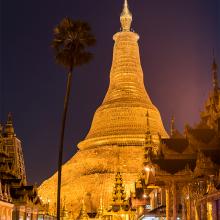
(116, 137)
(121, 119)
(90, 175)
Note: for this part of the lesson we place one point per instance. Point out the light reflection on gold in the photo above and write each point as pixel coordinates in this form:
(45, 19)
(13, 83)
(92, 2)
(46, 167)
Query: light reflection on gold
(209, 211)
(117, 134)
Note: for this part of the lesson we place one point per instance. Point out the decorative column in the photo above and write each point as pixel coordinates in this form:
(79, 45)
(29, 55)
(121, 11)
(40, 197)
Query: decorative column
(214, 210)
(183, 208)
(174, 201)
(1, 210)
(3, 213)
(184, 200)
(188, 204)
(218, 208)
(11, 212)
(1, 194)
(209, 211)
(167, 203)
(196, 213)
(204, 210)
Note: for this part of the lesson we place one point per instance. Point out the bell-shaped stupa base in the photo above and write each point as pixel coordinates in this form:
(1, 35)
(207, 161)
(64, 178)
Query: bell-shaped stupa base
(90, 175)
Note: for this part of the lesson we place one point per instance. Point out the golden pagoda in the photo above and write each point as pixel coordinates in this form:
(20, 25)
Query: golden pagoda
(117, 134)
(120, 120)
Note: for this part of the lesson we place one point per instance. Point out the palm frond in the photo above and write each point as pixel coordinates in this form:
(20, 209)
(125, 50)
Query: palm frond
(71, 39)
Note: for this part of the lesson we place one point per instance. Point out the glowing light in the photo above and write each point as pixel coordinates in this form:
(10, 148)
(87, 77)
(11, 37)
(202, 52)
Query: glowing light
(147, 169)
(119, 121)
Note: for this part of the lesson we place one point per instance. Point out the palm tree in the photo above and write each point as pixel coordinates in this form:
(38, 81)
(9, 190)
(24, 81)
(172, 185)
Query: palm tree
(71, 38)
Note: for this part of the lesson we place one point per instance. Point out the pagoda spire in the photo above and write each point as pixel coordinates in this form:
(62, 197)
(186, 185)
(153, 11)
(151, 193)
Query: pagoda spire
(83, 213)
(9, 129)
(148, 133)
(215, 75)
(172, 127)
(126, 17)
(1, 130)
(119, 194)
(5, 195)
(148, 144)
(9, 120)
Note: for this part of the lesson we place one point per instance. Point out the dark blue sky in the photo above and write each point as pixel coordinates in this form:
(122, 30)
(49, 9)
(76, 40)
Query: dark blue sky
(176, 42)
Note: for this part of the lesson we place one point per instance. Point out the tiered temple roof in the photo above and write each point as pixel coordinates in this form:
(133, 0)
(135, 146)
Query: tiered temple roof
(13, 183)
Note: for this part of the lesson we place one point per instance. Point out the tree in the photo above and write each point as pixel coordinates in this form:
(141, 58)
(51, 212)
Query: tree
(71, 39)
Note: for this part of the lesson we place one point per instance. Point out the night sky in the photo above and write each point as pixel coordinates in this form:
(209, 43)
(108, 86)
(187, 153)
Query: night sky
(176, 43)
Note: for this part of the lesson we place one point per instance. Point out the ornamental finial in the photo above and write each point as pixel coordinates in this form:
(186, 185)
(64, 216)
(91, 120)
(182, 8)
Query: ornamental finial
(126, 17)
(214, 72)
(148, 133)
(9, 129)
(172, 129)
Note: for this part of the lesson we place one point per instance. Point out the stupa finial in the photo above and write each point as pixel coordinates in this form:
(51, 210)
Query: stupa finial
(9, 129)
(9, 120)
(126, 17)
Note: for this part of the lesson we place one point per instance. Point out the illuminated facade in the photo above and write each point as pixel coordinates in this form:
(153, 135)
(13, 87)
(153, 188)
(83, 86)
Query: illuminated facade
(117, 130)
(6, 209)
(183, 180)
(174, 176)
(120, 206)
(11, 146)
(18, 201)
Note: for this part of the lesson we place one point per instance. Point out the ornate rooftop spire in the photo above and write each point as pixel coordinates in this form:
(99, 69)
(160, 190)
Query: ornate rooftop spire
(212, 105)
(1, 130)
(119, 194)
(148, 142)
(215, 75)
(126, 17)
(9, 120)
(83, 214)
(172, 127)
(9, 129)
(148, 133)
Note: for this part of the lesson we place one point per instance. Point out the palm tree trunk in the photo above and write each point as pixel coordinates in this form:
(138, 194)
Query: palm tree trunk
(60, 160)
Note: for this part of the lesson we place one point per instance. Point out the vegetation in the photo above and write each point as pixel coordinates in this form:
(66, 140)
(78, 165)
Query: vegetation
(71, 39)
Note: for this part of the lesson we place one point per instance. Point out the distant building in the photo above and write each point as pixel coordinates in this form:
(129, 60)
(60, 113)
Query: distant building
(18, 201)
(181, 179)
(6, 207)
